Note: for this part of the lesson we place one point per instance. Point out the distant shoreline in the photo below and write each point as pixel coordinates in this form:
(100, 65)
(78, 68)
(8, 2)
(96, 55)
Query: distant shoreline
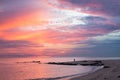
(111, 71)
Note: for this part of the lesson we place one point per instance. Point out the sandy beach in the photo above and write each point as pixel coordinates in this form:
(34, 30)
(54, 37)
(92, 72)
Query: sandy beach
(111, 71)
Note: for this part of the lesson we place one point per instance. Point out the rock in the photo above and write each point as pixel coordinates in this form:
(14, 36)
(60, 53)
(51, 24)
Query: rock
(83, 63)
(106, 67)
(119, 76)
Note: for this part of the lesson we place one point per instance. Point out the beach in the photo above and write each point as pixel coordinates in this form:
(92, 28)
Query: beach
(110, 71)
(60, 68)
(35, 68)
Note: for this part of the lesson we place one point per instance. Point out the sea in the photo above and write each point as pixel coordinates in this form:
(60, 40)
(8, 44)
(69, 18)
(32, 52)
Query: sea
(27, 69)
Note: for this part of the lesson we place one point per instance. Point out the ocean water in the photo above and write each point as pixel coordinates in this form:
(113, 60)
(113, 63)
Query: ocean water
(10, 69)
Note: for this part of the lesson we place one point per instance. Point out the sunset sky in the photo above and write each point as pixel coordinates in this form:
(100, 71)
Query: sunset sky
(60, 27)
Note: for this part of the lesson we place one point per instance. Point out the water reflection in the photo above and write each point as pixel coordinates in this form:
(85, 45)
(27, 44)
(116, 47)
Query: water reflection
(10, 70)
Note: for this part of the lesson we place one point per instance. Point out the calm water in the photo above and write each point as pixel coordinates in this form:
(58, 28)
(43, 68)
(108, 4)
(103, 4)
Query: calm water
(10, 70)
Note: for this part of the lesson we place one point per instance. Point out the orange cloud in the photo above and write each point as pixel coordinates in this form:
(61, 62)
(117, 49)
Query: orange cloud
(24, 20)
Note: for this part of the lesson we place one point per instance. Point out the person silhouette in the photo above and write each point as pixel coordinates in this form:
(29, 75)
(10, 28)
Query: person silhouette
(74, 60)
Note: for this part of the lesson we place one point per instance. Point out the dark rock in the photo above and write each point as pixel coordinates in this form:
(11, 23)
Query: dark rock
(62, 63)
(106, 67)
(119, 76)
(83, 63)
(30, 62)
(105, 78)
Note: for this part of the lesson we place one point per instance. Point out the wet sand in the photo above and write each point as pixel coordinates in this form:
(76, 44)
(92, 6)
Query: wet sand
(111, 71)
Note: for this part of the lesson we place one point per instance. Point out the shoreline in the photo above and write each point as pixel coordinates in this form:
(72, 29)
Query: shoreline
(107, 70)
(68, 76)
(97, 65)
(81, 74)
(111, 71)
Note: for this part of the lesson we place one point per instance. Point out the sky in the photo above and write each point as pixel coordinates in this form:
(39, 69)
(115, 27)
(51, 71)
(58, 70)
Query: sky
(60, 28)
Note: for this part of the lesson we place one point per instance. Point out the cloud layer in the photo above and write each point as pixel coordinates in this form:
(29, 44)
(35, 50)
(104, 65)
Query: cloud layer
(60, 27)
